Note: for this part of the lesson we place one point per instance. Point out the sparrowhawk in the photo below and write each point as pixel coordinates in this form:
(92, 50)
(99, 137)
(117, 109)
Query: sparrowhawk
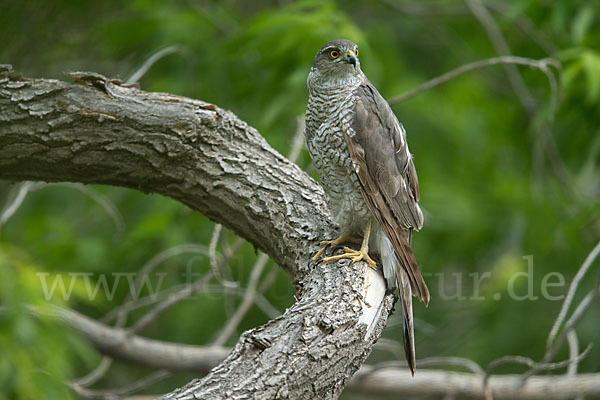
(360, 152)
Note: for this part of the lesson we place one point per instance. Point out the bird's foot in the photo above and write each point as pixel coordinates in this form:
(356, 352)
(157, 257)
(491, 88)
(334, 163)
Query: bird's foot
(333, 243)
(355, 256)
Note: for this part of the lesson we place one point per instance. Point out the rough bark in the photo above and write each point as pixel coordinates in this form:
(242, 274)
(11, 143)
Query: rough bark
(194, 152)
(102, 132)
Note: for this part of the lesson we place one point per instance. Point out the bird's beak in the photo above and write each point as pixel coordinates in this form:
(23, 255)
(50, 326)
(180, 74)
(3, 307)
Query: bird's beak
(351, 58)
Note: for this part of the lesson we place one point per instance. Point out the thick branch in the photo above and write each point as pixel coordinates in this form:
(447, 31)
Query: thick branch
(192, 151)
(205, 157)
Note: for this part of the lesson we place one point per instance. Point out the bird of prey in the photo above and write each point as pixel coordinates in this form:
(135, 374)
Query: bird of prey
(360, 152)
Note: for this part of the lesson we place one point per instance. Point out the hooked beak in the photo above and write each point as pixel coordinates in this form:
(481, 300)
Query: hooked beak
(351, 58)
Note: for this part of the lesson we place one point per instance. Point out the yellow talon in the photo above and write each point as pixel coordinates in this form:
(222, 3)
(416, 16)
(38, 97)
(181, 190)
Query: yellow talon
(345, 237)
(365, 256)
(354, 255)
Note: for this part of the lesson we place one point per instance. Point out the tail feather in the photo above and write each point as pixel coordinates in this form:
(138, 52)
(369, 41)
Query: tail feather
(407, 318)
(400, 244)
(396, 276)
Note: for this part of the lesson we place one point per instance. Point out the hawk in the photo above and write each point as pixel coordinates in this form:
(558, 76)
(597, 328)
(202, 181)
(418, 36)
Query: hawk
(360, 152)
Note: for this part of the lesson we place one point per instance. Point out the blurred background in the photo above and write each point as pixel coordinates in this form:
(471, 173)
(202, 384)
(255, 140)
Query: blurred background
(508, 163)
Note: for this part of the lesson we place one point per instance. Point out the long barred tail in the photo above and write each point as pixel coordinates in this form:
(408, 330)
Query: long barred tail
(396, 276)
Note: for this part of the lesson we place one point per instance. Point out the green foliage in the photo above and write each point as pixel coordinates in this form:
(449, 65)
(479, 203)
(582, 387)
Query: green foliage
(490, 194)
(38, 355)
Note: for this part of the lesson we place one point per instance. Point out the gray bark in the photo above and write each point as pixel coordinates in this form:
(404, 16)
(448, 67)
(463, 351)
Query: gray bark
(205, 157)
(186, 149)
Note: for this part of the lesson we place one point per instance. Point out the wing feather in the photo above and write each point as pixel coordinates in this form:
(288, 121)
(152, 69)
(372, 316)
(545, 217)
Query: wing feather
(387, 175)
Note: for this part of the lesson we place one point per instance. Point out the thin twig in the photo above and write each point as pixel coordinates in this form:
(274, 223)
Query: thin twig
(212, 248)
(102, 200)
(137, 75)
(95, 375)
(212, 256)
(261, 302)
(96, 196)
(266, 307)
(544, 133)
(164, 256)
(247, 301)
(452, 361)
(528, 27)
(136, 386)
(184, 291)
(539, 64)
(268, 280)
(573, 352)
(172, 300)
(589, 260)
(151, 265)
(143, 383)
(122, 312)
(529, 362)
(526, 98)
(385, 365)
(230, 250)
(501, 46)
(579, 312)
(222, 271)
(140, 302)
(390, 345)
(14, 205)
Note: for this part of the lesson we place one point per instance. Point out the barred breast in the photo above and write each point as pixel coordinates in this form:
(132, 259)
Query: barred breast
(329, 115)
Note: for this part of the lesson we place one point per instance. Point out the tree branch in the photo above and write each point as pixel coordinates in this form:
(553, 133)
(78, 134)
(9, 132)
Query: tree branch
(119, 344)
(205, 157)
(443, 385)
(589, 261)
(543, 65)
(493, 32)
(371, 380)
(247, 302)
(192, 151)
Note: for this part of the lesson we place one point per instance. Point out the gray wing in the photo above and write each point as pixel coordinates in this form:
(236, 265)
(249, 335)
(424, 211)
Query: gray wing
(377, 144)
(387, 175)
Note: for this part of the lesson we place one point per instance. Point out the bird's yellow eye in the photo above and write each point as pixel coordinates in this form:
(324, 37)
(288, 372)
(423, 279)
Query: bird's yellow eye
(356, 52)
(334, 54)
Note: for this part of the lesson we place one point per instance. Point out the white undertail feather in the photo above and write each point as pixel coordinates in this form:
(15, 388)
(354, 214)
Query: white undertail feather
(396, 277)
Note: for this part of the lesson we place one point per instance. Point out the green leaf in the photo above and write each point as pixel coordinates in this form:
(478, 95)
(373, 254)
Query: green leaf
(590, 62)
(581, 24)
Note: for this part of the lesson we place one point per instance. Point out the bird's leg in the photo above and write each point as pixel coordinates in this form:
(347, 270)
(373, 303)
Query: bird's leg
(354, 255)
(345, 237)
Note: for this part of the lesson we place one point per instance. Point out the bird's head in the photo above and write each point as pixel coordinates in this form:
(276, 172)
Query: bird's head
(337, 59)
